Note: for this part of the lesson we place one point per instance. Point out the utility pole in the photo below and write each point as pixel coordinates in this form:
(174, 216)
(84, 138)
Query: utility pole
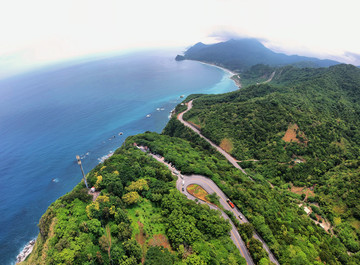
(82, 171)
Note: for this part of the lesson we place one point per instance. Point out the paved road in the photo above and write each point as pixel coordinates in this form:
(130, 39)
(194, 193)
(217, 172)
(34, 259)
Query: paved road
(211, 187)
(233, 161)
(183, 181)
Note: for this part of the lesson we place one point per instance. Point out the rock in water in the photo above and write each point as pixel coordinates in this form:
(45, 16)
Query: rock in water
(179, 58)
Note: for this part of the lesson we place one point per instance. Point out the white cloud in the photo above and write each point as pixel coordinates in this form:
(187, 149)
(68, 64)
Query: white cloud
(39, 31)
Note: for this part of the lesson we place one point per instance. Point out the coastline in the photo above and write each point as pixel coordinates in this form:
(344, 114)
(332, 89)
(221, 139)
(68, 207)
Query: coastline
(26, 251)
(234, 76)
(22, 253)
(29, 245)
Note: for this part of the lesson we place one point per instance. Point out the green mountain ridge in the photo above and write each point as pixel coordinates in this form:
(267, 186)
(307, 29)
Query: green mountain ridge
(319, 110)
(240, 54)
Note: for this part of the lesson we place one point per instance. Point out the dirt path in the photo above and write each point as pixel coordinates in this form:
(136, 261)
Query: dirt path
(270, 78)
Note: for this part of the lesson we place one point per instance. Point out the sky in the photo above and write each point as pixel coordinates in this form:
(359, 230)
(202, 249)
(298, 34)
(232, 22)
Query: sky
(38, 32)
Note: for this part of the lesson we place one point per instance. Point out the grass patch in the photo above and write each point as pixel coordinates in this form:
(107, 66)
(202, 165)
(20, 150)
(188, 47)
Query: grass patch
(195, 121)
(227, 145)
(149, 216)
(337, 220)
(355, 223)
(198, 192)
(339, 209)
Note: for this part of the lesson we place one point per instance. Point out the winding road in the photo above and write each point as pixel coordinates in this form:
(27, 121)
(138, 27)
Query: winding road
(232, 160)
(211, 187)
(207, 184)
(182, 183)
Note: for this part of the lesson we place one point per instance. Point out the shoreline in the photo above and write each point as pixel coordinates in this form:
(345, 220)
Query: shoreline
(26, 251)
(234, 76)
(28, 247)
(217, 66)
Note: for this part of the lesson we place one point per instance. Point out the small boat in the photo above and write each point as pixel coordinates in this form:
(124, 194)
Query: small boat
(148, 116)
(120, 133)
(182, 96)
(162, 108)
(158, 109)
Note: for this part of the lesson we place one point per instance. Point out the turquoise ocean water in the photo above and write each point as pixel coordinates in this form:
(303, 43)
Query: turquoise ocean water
(50, 115)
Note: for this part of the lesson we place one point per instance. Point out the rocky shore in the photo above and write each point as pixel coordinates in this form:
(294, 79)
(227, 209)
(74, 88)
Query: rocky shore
(26, 251)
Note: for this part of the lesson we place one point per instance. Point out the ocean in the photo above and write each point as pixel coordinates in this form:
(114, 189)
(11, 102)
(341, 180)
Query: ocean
(49, 116)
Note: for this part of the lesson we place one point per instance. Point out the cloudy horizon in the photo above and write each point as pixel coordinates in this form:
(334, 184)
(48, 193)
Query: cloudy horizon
(40, 32)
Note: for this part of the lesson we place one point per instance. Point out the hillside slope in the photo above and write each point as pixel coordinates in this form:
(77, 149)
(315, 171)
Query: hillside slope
(139, 217)
(241, 54)
(302, 129)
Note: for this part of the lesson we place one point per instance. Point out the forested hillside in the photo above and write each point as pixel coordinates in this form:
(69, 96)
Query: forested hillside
(301, 132)
(240, 54)
(288, 231)
(139, 217)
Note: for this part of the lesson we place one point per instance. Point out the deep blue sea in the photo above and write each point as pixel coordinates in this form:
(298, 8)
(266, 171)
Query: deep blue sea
(49, 116)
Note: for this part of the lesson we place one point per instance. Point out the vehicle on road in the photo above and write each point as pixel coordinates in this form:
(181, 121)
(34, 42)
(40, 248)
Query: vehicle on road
(230, 203)
(240, 217)
(183, 189)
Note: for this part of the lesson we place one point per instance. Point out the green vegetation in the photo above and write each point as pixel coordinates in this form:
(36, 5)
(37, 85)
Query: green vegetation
(256, 74)
(139, 216)
(301, 132)
(289, 232)
(304, 128)
(198, 192)
(240, 54)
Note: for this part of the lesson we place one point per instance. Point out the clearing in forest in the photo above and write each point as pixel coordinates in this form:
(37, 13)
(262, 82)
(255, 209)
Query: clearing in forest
(140, 238)
(198, 192)
(160, 240)
(226, 145)
(292, 132)
(195, 125)
(303, 190)
(195, 122)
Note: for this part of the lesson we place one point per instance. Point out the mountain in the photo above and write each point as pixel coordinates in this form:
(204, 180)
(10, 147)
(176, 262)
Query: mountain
(241, 54)
(300, 132)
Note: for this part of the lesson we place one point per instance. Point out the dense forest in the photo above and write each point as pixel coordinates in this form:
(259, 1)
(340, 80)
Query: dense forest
(138, 217)
(300, 132)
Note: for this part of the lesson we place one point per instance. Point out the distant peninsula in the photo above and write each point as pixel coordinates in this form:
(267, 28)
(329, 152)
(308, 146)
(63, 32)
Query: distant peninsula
(239, 55)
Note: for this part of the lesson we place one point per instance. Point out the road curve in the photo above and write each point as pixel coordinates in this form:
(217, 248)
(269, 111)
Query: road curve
(183, 181)
(233, 161)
